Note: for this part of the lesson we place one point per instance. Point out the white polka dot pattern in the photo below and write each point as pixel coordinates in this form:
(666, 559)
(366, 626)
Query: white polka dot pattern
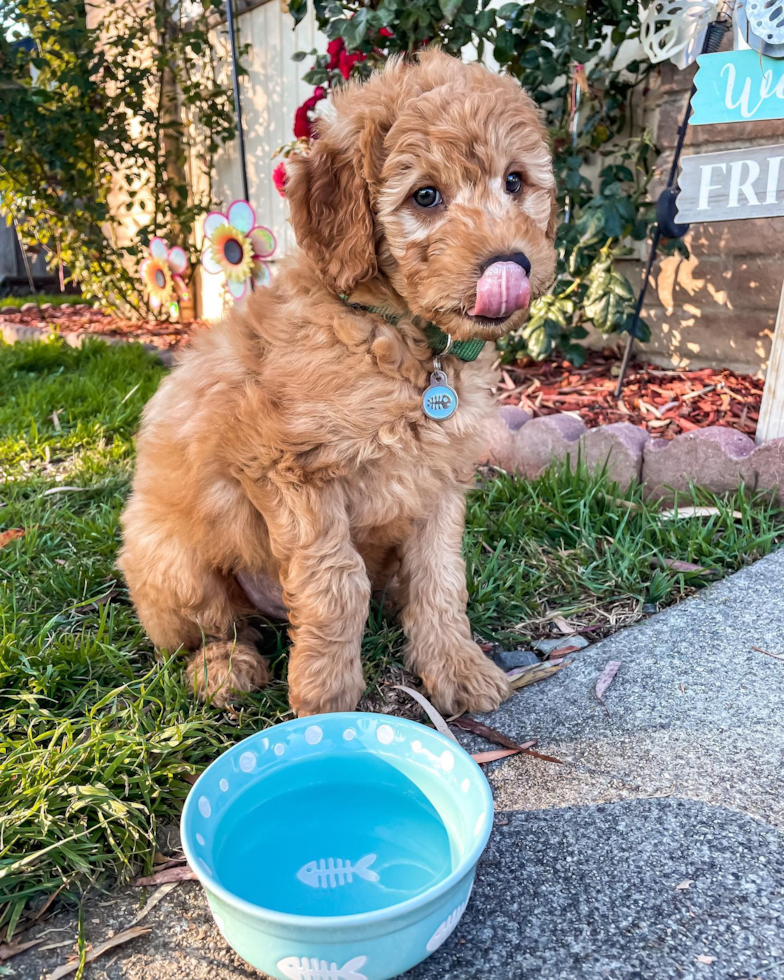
(349, 734)
(204, 807)
(247, 762)
(385, 735)
(447, 761)
(313, 735)
(224, 785)
(279, 749)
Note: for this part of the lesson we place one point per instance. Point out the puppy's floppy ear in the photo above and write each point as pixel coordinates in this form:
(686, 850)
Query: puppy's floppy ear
(330, 208)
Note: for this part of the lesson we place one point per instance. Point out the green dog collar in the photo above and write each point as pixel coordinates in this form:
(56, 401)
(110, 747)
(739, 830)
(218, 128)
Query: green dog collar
(438, 341)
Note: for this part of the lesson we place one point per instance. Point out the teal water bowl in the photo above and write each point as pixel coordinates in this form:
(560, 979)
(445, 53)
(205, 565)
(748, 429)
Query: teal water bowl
(338, 847)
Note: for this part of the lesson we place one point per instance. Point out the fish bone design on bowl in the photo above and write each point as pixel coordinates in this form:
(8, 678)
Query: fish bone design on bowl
(340, 847)
(332, 873)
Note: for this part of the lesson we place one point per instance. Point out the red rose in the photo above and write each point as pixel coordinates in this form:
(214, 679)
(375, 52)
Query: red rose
(334, 49)
(347, 61)
(303, 125)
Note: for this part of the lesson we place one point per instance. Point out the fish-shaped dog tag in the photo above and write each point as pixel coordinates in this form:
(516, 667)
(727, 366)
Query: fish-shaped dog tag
(439, 401)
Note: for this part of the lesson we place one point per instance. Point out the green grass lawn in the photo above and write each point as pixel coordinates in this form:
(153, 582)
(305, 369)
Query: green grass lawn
(98, 738)
(56, 299)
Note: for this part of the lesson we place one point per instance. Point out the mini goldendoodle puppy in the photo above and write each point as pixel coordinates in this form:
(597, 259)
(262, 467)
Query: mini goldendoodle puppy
(320, 441)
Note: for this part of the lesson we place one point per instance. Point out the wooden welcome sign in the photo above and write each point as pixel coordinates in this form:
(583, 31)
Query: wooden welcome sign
(737, 86)
(740, 87)
(733, 184)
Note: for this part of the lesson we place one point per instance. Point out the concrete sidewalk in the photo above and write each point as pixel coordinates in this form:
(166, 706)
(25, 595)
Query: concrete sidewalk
(655, 852)
(661, 841)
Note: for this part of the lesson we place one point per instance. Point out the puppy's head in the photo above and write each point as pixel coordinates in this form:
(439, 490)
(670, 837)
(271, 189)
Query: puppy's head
(435, 176)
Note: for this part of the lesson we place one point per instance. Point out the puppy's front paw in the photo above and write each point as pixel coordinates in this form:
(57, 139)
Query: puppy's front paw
(324, 686)
(465, 680)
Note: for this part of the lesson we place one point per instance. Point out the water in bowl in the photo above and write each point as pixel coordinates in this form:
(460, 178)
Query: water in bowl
(298, 841)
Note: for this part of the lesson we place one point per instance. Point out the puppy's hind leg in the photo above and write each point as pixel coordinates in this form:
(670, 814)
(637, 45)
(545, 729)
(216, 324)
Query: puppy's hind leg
(222, 668)
(184, 604)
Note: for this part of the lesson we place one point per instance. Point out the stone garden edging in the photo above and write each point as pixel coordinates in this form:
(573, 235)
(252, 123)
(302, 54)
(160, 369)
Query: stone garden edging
(717, 458)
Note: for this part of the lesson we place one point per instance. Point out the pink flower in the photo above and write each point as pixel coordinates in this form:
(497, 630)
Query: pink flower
(236, 246)
(279, 178)
(163, 273)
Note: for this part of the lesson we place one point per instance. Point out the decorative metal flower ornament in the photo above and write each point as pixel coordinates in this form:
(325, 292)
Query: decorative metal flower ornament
(237, 247)
(669, 29)
(162, 274)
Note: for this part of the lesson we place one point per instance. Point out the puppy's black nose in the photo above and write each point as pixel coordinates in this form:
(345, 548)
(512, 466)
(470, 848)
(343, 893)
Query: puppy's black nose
(519, 257)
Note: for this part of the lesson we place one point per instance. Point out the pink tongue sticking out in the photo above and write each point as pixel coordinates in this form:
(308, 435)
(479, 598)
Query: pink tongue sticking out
(502, 289)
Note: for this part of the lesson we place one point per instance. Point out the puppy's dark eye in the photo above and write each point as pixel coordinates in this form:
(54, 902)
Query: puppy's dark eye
(514, 183)
(427, 197)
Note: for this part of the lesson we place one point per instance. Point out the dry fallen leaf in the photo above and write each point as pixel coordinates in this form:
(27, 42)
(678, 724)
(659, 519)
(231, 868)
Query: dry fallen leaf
(561, 624)
(469, 725)
(707, 960)
(157, 896)
(776, 656)
(181, 873)
(523, 676)
(684, 566)
(695, 512)
(429, 710)
(7, 950)
(562, 652)
(627, 504)
(122, 937)
(6, 537)
(63, 489)
(47, 904)
(491, 734)
(494, 755)
(684, 885)
(605, 679)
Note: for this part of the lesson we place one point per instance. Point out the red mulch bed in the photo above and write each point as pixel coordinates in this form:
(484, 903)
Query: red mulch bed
(81, 319)
(665, 402)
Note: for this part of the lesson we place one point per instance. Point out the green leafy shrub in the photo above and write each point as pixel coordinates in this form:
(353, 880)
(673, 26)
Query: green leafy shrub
(96, 122)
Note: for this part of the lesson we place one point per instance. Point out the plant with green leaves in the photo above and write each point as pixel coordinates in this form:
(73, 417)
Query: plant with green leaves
(557, 49)
(99, 109)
